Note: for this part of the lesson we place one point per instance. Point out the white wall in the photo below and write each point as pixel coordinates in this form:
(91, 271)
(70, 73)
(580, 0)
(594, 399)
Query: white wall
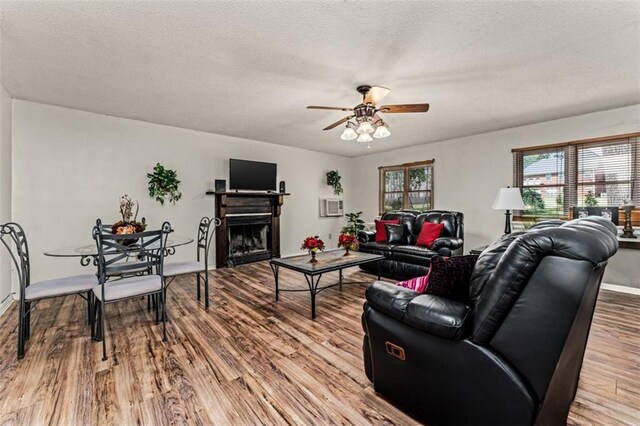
(5, 193)
(468, 172)
(70, 168)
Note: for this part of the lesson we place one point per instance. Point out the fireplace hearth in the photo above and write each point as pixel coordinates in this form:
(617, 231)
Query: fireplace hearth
(250, 228)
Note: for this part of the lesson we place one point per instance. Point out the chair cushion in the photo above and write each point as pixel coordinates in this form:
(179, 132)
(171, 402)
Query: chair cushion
(60, 287)
(381, 232)
(180, 268)
(396, 234)
(429, 233)
(129, 287)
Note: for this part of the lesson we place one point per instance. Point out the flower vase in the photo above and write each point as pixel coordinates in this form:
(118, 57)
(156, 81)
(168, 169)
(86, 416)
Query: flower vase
(313, 257)
(346, 251)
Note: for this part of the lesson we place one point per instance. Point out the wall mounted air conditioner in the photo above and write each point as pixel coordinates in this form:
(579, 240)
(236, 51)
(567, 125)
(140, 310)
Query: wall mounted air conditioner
(331, 207)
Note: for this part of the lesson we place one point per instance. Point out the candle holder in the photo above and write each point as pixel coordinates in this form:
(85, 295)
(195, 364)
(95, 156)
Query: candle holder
(627, 231)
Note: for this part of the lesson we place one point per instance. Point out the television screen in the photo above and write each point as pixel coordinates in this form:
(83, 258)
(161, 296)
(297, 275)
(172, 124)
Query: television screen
(252, 175)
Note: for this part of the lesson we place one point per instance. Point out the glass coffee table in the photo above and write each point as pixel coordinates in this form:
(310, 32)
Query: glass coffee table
(327, 262)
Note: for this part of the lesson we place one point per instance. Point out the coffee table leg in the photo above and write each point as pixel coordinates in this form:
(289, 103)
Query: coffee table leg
(312, 282)
(274, 269)
(379, 261)
(340, 279)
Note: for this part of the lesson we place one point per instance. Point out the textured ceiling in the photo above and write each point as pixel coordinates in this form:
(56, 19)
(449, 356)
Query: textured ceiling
(249, 69)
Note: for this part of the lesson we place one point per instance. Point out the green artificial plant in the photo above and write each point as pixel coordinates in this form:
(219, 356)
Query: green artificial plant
(354, 223)
(333, 179)
(163, 184)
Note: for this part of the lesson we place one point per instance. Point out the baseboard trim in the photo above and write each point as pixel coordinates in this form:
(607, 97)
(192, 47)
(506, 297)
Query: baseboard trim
(621, 288)
(5, 304)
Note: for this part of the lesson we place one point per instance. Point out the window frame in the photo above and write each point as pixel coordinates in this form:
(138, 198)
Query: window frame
(572, 183)
(405, 168)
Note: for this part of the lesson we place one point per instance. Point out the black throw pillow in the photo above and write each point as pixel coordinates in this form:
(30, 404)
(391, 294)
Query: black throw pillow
(396, 234)
(450, 276)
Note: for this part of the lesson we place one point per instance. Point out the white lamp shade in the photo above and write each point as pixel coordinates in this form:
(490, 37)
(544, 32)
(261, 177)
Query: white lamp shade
(348, 134)
(365, 137)
(509, 199)
(364, 127)
(381, 132)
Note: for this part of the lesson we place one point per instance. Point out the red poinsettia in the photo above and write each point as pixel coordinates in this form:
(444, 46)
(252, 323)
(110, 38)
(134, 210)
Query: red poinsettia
(348, 241)
(313, 244)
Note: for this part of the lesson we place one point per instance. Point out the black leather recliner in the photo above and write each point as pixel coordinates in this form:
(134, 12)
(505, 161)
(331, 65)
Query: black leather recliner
(403, 261)
(513, 353)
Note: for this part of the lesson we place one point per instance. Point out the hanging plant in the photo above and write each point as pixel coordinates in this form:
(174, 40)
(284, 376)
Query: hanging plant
(333, 179)
(163, 184)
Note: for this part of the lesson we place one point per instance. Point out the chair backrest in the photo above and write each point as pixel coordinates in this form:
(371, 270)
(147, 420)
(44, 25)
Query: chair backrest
(147, 246)
(533, 295)
(15, 240)
(204, 238)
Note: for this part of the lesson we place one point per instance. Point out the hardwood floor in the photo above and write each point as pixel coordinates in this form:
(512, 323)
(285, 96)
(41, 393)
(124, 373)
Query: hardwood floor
(249, 360)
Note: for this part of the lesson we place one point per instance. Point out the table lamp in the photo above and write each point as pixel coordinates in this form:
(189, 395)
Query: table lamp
(508, 199)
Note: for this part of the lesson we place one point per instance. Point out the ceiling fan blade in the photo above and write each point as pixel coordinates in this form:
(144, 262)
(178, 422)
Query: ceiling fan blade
(339, 122)
(375, 95)
(332, 108)
(391, 109)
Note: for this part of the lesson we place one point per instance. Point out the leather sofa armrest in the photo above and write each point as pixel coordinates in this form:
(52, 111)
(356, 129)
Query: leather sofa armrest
(390, 299)
(447, 242)
(366, 236)
(437, 316)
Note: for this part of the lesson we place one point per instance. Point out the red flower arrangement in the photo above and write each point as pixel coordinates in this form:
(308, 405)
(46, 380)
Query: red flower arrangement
(313, 245)
(347, 242)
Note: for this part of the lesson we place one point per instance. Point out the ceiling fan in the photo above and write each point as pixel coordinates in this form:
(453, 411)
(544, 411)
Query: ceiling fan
(368, 124)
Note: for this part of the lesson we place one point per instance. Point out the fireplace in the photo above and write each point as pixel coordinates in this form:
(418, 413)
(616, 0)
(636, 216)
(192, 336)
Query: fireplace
(250, 228)
(249, 239)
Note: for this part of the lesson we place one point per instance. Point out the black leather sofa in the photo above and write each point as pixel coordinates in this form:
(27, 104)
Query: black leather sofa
(512, 353)
(403, 261)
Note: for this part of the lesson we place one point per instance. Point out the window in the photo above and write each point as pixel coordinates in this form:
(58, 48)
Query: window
(406, 187)
(588, 173)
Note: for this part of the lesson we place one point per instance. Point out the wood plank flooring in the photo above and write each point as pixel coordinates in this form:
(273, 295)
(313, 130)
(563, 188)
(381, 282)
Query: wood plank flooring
(249, 360)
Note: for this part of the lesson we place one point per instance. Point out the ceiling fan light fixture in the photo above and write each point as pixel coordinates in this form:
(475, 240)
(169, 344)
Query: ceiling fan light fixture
(364, 137)
(365, 128)
(348, 134)
(381, 132)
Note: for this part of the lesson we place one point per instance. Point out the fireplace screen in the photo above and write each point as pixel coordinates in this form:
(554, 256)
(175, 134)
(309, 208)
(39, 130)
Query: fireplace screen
(248, 239)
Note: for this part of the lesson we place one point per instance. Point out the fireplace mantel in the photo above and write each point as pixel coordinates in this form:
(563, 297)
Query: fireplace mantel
(232, 205)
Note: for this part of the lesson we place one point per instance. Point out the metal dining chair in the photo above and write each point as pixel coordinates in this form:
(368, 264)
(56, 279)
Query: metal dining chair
(141, 270)
(15, 240)
(149, 247)
(200, 266)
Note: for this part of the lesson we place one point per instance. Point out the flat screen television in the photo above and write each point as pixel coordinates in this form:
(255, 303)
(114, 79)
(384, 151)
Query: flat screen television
(252, 175)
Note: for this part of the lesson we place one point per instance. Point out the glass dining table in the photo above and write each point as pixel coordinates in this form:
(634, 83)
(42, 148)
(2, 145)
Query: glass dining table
(88, 252)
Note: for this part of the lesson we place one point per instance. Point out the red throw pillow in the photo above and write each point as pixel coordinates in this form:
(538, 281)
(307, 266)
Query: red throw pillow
(381, 232)
(418, 284)
(429, 233)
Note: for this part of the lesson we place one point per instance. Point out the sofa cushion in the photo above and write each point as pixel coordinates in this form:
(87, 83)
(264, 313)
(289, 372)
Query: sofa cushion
(377, 248)
(396, 233)
(429, 233)
(450, 277)
(407, 218)
(415, 255)
(437, 315)
(452, 222)
(381, 231)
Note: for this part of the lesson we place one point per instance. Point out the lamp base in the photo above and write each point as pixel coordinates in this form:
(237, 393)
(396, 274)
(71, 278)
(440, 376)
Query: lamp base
(507, 223)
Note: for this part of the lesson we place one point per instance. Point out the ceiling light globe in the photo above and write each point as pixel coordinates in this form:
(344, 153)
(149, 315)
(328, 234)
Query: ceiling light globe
(365, 127)
(364, 137)
(381, 132)
(348, 134)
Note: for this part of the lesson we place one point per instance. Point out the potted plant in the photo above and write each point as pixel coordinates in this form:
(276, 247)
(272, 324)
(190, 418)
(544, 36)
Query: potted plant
(333, 179)
(348, 242)
(354, 224)
(163, 183)
(312, 245)
(129, 223)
